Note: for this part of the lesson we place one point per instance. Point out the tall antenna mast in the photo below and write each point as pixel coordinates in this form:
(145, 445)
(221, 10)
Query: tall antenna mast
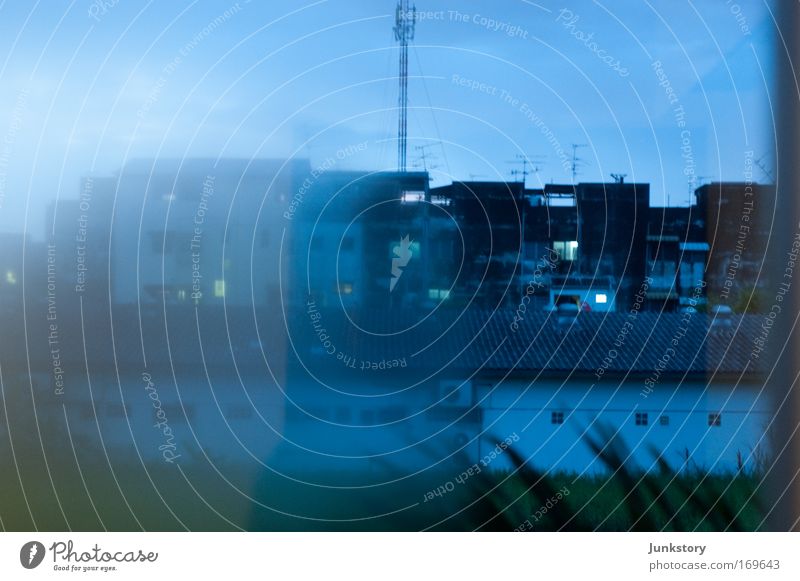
(405, 20)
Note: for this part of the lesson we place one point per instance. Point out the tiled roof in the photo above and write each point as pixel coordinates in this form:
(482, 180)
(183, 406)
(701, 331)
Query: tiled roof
(487, 340)
(462, 341)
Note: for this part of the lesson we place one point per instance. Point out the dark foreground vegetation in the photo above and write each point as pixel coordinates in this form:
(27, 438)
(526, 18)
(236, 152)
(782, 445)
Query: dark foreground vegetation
(89, 490)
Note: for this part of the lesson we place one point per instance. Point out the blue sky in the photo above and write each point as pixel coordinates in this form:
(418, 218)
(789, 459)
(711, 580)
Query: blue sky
(90, 84)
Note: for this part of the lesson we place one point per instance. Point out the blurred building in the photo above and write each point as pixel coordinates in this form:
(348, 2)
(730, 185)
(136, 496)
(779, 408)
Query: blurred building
(201, 232)
(736, 218)
(378, 240)
(583, 244)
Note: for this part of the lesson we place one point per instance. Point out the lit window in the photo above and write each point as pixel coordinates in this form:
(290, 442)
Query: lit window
(438, 293)
(557, 418)
(345, 288)
(11, 278)
(663, 420)
(715, 419)
(601, 298)
(567, 250)
(219, 288)
(410, 196)
(182, 295)
(641, 418)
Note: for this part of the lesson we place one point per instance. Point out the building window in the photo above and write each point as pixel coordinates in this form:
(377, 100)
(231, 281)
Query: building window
(219, 288)
(391, 414)
(413, 196)
(641, 418)
(715, 419)
(601, 298)
(163, 242)
(438, 293)
(345, 288)
(557, 418)
(663, 420)
(117, 410)
(88, 411)
(174, 413)
(181, 295)
(11, 278)
(567, 249)
(367, 417)
(240, 412)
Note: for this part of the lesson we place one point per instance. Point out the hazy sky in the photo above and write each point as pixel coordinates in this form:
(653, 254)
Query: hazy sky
(89, 84)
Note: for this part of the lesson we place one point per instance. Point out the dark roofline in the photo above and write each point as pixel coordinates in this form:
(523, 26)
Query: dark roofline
(616, 375)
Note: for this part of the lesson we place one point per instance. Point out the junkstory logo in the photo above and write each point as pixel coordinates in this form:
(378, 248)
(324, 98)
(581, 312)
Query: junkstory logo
(31, 554)
(402, 256)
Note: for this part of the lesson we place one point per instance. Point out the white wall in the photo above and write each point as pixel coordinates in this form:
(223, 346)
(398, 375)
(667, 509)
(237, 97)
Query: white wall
(517, 406)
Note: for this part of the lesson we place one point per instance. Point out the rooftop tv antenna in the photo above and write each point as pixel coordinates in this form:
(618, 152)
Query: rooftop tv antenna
(534, 161)
(405, 20)
(619, 178)
(424, 156)
(762, 165)
(576, 161)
